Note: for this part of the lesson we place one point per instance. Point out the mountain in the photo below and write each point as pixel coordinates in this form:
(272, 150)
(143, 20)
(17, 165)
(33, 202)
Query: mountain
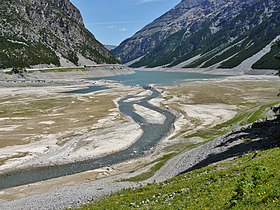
(209, 34)
(49, 32)
(110, 47)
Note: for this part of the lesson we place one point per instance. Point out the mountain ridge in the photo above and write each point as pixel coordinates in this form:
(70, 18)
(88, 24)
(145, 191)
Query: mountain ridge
(48, 32)
(205, 28)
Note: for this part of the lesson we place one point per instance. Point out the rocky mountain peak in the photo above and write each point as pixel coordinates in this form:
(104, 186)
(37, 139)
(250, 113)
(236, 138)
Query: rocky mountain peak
(49, 32)
(202, 28)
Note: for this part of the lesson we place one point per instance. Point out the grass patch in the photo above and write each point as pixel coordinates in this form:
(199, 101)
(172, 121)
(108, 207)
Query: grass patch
(260, 112)
(220, 129)
(243, 118)
(174, 149)
(180, 147)
(249, 182)
(236, 120)
(144, 176)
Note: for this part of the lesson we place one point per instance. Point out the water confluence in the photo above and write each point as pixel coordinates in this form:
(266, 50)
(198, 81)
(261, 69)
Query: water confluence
(152, 134)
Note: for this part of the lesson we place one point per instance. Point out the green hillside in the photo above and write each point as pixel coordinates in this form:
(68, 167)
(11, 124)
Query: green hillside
(249, 182)
(239, 38)
(43, 31)
(271, 59)
(21, 53)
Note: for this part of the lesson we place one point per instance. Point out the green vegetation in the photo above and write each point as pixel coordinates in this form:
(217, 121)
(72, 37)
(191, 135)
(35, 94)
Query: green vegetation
(58, 69)
(178, 47)
(258, 37)
(16, 52)
(223, 56)
(220, 129)
(20, 47)
(72, 56)
(175, 48)
(98, 57)
(249, 182)
(62, 69)
(244, 117)
(144, 176)
(260, 112)
(270, 60)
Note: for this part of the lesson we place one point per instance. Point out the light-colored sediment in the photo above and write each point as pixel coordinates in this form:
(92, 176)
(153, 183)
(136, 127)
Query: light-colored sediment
(219, 101)
(209, 115)
(149, 115)
(49, 151)
(214, 71)
(54, 132)
(61, 77)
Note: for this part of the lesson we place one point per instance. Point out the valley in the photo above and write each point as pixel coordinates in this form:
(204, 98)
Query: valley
(205, 110)
(139, 104)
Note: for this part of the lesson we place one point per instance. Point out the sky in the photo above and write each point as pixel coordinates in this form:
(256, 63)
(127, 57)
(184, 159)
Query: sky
(113, 21)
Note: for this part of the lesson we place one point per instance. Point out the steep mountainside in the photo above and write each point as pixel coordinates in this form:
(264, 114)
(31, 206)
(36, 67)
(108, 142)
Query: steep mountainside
(49, 32)
(209, 33)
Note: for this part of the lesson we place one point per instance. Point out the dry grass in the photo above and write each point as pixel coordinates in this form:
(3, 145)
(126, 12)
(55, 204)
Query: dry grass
(247, 96)
(25, 118)
(226, 92)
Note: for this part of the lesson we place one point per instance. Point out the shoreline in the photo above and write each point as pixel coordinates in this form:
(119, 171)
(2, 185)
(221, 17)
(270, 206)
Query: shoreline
(52, 78)
(226, 72)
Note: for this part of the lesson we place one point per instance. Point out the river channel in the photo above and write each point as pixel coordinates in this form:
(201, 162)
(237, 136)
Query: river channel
(152, 134)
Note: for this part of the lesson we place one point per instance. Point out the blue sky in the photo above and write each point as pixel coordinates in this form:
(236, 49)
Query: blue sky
(112, 21)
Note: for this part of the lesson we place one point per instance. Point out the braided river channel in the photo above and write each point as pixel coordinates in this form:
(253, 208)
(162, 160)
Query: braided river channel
(151, 136)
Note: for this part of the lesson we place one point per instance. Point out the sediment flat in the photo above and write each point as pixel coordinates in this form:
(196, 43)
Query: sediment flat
(220, 100)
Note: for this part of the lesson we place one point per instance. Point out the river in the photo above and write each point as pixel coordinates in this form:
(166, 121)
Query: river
(152, 133)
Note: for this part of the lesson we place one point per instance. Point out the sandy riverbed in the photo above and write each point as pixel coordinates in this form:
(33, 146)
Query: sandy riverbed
(57, 134)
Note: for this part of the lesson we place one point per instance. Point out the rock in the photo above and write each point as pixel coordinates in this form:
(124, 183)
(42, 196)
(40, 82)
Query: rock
(45, 33)
(198, 30)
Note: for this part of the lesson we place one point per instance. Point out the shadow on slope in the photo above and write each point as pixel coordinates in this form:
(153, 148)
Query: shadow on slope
(260, 136)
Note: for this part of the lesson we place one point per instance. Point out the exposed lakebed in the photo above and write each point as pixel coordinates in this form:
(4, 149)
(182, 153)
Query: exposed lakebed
(152, 133)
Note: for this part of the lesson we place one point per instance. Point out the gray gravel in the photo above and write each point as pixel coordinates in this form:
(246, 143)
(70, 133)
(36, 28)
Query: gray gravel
(259, 136)
(68, 196)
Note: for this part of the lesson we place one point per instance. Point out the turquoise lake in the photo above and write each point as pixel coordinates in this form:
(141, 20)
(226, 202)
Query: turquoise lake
(144, 78)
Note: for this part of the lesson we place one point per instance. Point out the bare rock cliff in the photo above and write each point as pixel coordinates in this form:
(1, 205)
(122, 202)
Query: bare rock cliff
(51, 32)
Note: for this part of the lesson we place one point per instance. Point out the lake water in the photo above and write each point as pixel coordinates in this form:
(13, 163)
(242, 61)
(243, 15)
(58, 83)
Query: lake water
(144, 78)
